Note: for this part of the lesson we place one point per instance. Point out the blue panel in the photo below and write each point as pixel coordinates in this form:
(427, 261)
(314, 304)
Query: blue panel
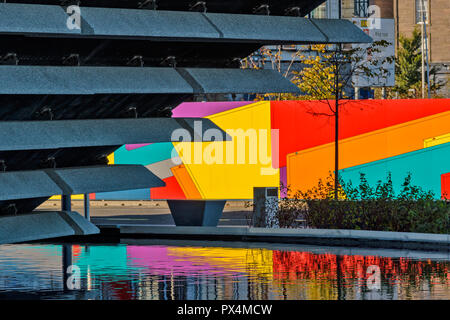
(90, 80)
(48, 182)
(426, 166)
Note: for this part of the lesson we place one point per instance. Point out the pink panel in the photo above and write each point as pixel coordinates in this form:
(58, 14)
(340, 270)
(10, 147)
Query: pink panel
(204, 109)
(130, 147)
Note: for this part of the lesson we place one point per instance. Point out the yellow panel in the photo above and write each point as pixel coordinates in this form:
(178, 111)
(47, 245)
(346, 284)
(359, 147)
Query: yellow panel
(306, 167)
(111, 158)
(431, 142)
(255, 261)
(236, 170)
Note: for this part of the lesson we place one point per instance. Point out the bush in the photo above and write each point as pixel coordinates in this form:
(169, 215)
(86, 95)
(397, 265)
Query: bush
(367, 208)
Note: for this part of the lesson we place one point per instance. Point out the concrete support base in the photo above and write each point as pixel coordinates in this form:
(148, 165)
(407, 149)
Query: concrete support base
(196, 212)
(43, 225)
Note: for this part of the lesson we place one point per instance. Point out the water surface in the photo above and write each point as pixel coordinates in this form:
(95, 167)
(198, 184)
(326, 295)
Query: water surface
(171, 272)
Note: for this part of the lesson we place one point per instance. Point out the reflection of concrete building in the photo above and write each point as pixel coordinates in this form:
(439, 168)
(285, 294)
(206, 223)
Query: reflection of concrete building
(353, 8)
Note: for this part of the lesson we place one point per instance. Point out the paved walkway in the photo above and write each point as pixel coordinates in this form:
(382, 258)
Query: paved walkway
(146, 212)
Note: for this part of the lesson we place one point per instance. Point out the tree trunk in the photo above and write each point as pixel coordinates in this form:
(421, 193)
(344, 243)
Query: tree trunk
(336, 149)
(336, 133)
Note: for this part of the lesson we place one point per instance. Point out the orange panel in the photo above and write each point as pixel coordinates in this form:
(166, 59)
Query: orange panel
(186, 183)
(445, 186)
(306, 167)
(301, 127)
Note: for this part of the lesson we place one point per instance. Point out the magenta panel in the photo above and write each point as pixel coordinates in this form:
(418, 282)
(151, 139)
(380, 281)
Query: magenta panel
(283, 182)
(204, 109)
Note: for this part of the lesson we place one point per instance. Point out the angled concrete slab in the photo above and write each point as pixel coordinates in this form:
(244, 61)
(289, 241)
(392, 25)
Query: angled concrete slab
(55, 80)
(43, 225)
(35, 135)
(48, 20)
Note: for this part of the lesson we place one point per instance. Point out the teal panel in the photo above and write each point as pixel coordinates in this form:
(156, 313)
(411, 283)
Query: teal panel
(426, 167)
(127, 195)
(145, 155)
(99, 259)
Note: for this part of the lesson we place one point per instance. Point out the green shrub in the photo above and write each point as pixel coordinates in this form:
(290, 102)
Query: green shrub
(367, 208)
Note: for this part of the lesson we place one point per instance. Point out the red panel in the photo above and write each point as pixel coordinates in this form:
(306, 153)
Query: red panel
(301, 128)
(171, 191)
(445, 186)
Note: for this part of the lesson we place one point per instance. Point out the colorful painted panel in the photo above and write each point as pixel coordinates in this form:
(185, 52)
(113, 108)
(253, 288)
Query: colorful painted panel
(230, 170)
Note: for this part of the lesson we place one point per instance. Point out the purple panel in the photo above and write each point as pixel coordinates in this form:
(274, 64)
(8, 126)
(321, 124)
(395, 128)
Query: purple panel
(204, 109)
(130, 147)
(160, 259)
(283, 182)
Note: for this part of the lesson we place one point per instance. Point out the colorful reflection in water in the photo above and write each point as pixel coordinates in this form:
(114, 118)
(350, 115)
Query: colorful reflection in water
(177, 272)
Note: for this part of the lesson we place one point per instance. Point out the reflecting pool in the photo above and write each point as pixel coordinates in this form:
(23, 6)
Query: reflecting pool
(176, 271)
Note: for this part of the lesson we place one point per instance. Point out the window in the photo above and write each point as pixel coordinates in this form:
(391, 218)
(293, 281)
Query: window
(421, 10)
(361, 8)
(320, 12)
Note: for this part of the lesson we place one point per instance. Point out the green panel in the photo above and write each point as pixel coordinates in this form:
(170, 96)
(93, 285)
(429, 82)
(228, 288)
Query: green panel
(102, 259)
